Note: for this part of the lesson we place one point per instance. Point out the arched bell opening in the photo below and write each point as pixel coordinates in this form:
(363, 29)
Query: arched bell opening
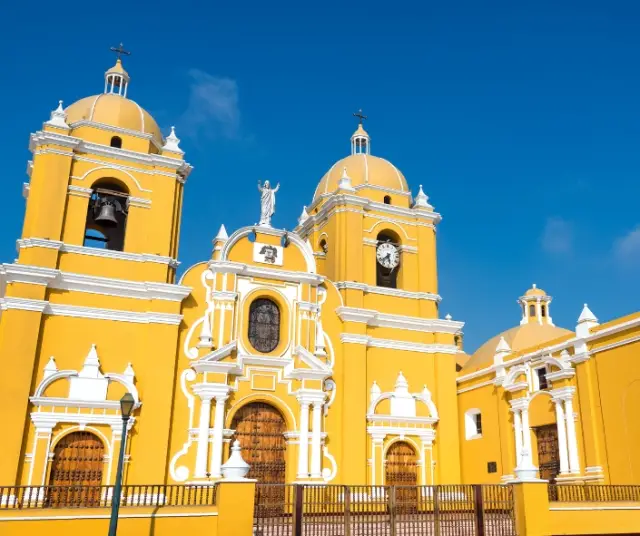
(388, 259)
(78, 460)
(107, 215)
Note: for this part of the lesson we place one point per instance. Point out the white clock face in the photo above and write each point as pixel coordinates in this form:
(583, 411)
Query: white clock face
(387, 255)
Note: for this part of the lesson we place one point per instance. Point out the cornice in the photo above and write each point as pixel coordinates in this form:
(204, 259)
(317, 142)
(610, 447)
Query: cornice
(395, 292)
(377, 319)
(97, 252)
(264, 272)
(373, 342)
(57, 309)
(78, 145)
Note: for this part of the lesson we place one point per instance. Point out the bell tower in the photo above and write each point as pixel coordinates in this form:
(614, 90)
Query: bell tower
(96, 262)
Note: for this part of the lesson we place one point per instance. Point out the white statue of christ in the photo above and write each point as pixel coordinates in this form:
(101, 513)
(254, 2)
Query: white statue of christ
(267, 202)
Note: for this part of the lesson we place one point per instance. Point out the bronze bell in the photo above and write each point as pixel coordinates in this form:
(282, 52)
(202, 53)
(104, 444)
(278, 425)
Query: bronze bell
(107, 215)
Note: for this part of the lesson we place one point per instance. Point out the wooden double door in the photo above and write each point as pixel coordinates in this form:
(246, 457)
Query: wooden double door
(548, 451)
(76, 471)
(401, 470)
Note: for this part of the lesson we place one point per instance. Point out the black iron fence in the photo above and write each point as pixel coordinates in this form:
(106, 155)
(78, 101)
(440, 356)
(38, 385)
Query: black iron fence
(100, 496)
(313, 510)
(593, 493)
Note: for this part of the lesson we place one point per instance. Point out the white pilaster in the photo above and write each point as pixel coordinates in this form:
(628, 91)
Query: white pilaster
(525, 470)
(203, 436)
(574, 462)
(526, 431)
(562, 437)
(316, 441)
(377, 441)
(303, 446)
(517, 427)
(218, 436)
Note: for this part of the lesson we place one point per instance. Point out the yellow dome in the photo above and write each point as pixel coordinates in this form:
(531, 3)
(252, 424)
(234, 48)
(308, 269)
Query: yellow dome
(363, 169)
(535, 291)
(518, 338)
(116, 111)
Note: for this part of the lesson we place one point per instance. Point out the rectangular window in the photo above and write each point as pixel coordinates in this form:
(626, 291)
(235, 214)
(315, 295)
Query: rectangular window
(478, 420)
(542, 378)
(492, 467)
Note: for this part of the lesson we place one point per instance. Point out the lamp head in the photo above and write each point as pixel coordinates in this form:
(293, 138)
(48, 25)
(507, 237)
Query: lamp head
(126, 405)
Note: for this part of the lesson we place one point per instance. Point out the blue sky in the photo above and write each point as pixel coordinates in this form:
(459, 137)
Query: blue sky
(521, 121)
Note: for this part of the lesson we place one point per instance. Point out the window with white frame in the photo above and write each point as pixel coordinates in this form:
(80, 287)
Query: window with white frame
(473, 424)
(540, 382)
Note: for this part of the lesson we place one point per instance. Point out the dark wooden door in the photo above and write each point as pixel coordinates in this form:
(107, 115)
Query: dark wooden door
(401, 469)
(76, 470)
(548, 451)
(260, 429)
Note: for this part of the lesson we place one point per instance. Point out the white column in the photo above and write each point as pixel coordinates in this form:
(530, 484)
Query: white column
(203, 437)
(517, 427)
(218, 431)
(562, 437)
(303, 443)
(539, 311)
(574, 463)
(316, 441)
(526, 432)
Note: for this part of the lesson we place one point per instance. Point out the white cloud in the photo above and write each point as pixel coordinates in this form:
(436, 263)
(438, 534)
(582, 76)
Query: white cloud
(212, 110)
(557, 237)
(627, 248)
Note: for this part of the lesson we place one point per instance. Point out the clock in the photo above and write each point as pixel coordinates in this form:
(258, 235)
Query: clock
(387, 255)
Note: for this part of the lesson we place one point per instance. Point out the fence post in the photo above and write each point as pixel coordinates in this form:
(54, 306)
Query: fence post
(436, 511)
(531, 505)
(233, 520)
(479, 509)
(298, 512)
(392, 509)
(347, 511)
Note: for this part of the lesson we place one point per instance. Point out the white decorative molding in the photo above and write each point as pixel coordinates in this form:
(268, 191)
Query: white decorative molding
(412, 323)
(398, 293)
(77, 311)
(121, 288)
(264, 272)
(58, 118)
(356, 338)
(172, 142)
(45, 138)
(96, 252)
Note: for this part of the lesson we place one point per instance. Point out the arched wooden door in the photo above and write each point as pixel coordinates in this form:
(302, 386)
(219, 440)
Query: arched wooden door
(260, 429)
(401, 469)
(76, 470)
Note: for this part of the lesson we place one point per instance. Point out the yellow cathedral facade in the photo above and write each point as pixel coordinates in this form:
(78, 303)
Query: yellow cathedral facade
(321, 350)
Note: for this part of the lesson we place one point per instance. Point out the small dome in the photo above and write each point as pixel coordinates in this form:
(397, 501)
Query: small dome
(363, 169)
(116, 111)
(535, 291)
(518, 338)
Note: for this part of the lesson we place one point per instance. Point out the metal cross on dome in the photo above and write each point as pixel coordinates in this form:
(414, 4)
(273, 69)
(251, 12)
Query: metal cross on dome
(360, 116)
(120, 51)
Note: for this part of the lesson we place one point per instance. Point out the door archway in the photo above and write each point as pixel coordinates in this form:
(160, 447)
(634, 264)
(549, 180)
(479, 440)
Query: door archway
(401, 470)
(76, 470)
(260, 429)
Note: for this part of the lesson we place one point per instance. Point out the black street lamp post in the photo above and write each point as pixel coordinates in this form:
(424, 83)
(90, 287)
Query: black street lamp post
(126, 407)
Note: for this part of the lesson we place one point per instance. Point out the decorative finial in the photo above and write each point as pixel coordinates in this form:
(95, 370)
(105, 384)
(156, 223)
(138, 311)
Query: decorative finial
(120, 51)
(222, 233)
(345, 181)
(50, 368)
(448, 317)
(58, 117)
(236, 468)
(304, 216)
(421, 200)
(534, 286)
(129, 373)
(172, 142)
